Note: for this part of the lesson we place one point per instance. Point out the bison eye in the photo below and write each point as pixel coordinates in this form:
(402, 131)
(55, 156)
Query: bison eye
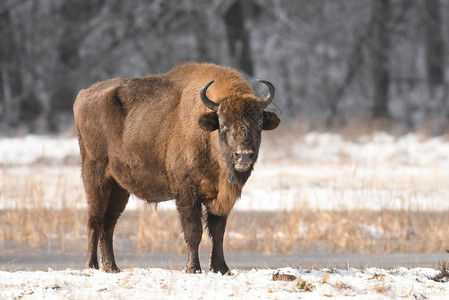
(224, 128)
(260, 126)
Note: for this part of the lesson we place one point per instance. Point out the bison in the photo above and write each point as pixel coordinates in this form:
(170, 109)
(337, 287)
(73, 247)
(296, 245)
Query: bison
(161, 137)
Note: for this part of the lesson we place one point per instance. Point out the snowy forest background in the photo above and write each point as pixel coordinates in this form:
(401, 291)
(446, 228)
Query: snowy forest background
(334, 63)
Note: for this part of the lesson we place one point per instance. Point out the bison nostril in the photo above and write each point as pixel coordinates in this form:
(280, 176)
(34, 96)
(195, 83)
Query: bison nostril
(251, 155)
(237, 155)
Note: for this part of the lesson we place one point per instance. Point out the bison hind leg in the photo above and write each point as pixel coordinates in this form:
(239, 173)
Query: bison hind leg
(117, 203)
(97, 198)
(106, 201)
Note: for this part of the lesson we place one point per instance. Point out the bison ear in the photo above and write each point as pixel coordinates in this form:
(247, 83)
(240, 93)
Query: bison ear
(209, 121)
(270, 120)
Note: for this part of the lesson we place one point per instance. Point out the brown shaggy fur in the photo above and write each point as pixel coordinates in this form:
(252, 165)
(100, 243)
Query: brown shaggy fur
(154, 138)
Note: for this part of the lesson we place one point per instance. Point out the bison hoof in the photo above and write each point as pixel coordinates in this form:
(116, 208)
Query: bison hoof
(224, 270)
(110, 269)
(92, 265)
(193, 270)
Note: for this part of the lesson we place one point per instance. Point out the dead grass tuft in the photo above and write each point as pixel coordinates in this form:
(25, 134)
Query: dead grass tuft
(381, 288)
(342, 285)
(304, 285)
(325, 278)
(443, 276)
(283, 277)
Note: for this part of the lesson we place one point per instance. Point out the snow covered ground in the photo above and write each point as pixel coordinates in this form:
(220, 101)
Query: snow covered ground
(32, 148)
(284, 283)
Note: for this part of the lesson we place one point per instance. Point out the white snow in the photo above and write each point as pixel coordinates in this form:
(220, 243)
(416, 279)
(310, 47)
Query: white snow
(32, 148)
(155, 283)
(376, 148)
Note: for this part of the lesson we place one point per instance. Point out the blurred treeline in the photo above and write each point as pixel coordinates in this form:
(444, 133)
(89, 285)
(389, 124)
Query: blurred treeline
(333, 61)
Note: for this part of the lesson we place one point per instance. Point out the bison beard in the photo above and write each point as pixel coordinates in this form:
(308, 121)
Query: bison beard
(161, 137)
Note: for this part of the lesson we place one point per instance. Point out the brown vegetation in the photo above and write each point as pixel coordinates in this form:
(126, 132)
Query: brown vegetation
(146, 230)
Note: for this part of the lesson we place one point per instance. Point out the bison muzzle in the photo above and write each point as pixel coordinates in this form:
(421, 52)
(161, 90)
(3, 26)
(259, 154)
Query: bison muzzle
(192, 134)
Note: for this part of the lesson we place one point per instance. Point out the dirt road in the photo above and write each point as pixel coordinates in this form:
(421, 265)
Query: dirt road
(39, 260)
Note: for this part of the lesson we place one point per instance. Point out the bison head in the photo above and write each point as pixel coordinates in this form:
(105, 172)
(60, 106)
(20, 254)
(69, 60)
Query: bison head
(239, 120)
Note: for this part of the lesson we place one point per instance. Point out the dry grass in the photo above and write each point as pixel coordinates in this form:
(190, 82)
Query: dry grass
(443, 276)
(48, 229)
(263, 232)
(304, 285)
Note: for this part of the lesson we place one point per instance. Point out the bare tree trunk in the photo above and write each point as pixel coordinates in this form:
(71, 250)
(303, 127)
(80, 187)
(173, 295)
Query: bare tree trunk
(381, 52)
(7, 111)
(434, 45)
(238, 37)
(201, 32)
(354, 62)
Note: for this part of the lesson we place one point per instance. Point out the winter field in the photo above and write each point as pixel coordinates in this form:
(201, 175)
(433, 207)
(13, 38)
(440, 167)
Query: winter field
(310, 192)
(284, 283)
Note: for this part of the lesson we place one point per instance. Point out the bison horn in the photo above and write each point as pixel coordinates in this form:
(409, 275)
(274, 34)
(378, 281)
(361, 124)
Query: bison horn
(271, 91)
(206, 101)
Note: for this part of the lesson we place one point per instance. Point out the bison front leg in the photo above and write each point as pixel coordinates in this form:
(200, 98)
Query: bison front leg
(192, 227)
(217, 226)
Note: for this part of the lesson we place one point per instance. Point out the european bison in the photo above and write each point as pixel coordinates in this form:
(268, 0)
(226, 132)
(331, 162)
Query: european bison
(161, 137)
